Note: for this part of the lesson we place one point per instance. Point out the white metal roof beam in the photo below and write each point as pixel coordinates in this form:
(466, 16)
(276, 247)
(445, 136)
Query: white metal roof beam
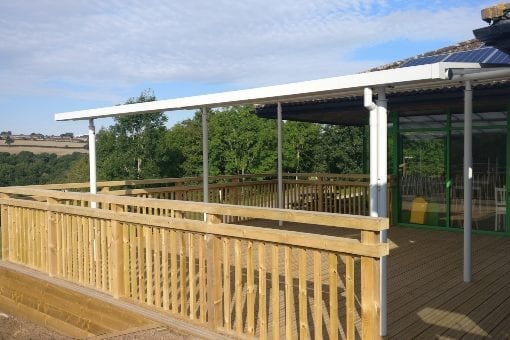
(339, 87)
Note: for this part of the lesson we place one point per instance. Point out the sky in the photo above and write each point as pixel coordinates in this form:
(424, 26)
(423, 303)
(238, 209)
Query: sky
(60, 55)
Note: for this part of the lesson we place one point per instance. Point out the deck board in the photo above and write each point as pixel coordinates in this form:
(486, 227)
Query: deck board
(433, 302)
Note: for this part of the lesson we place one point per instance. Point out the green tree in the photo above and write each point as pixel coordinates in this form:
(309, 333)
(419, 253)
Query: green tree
(240, 142)
(9, 140)
(184, 141)
(301, 147)
(342, 149)
(27, 168)
(78, 171)
(131, 148)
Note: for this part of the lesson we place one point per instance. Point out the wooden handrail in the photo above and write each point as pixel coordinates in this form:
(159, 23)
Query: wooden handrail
(319, 218)
(180, 180)
(181, 188)
(101, 184)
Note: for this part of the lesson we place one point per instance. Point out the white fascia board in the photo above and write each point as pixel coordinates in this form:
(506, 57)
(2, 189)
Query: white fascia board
(339, 86)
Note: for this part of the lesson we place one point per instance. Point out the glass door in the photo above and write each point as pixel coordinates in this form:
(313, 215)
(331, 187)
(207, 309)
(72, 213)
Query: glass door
(422, 178)
(489, 178)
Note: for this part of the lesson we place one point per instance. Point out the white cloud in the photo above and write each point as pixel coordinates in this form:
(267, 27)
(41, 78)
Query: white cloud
(96, 47)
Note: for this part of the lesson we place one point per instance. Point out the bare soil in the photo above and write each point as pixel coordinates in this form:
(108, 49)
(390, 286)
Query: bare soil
(15, 327)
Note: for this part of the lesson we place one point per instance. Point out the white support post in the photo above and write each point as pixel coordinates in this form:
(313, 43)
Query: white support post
(382, 205)
(280, 158)
(373, 119)
(92, 160)
(468, 177)
(205, 155)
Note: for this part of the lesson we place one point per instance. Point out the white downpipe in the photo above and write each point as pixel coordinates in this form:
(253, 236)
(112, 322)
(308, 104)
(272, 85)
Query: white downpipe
(370, 105)
(205, 155)
(280, 157)
(382, 207)
(468, 177)
(92, 160)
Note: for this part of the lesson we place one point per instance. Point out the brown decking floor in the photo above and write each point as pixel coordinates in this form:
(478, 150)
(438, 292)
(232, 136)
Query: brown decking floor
(427, 297)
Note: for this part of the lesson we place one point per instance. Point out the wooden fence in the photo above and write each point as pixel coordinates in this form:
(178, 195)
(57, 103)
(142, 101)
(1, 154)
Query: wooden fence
(243, 280)
(334, 193)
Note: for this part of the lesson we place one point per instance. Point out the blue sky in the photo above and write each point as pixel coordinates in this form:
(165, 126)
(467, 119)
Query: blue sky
(58, 56)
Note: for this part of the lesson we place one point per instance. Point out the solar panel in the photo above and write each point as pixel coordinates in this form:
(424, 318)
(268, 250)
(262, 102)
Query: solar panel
(499, 58)
(483, 55)
(424, 60)
(473, 56)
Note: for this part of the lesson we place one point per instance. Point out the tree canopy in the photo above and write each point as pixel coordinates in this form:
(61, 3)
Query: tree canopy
(132, 148)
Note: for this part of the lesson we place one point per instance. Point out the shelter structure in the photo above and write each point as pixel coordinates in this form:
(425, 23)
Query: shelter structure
(442, 107)
(391, 82)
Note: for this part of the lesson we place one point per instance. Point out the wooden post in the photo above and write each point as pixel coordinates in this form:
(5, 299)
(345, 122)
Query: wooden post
(118, 288)
(5, 228)
(321, 194)
(214, 284)
(51, 220)
(370, 308)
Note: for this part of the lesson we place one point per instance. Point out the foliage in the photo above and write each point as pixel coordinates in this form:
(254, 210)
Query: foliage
(302, 147)
(185, 142)
(28, 168)
(424, 156)
(342, 149)
(131, 148)
(9, 140)
(78, 171)
(240, 142)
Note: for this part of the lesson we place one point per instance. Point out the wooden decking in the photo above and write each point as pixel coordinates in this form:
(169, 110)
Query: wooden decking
(427, 297)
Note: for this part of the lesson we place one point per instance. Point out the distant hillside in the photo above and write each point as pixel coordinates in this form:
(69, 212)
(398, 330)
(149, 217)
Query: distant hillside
(59, 147)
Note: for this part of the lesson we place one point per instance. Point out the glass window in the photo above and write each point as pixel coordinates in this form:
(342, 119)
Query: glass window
(481, 119)
(423, 122)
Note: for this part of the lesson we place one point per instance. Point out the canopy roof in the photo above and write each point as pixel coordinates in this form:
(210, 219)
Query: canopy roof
(401, 80)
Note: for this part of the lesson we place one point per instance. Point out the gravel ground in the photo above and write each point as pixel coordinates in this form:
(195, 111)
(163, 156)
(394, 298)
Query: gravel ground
(13, 327)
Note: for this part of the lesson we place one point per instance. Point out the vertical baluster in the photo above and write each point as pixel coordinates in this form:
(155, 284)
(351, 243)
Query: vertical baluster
(238, 287)
(227, 320)
(262, 291)
(349, 296)
(317, 294)
(275, 293)
(164, 259)
(191, 273)
(250, 290)
(289, 305)
(333, 296)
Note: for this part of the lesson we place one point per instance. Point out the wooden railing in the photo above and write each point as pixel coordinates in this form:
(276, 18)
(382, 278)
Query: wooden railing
(239, 279)
(333, 193)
